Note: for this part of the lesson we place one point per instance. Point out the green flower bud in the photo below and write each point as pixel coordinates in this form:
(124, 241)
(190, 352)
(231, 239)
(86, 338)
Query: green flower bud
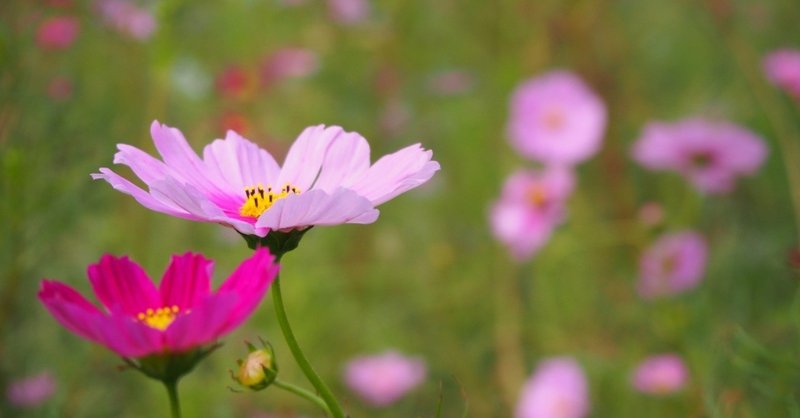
(258, 370)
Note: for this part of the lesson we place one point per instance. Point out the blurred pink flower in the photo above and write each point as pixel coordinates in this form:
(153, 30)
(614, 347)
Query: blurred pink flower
(289, 63)
(236, 122)
(182, 314)
(448, 83)
(556, 118)
(59, 88)
(31, 391)
(673, 264)
(395, 117)
(532, 204)
(782, 68)
(383, 379)
(651, 214)
(558, 389)
(711, 155)
(127, 18)
(235, 82)
(57, 32)
(660, 375)
(326, 179)
(349, 12)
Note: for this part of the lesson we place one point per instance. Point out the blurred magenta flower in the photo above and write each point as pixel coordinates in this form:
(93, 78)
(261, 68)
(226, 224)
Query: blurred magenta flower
(31, 391)
(556, 118)
(384, 378)
(288, 63)
(235, 82)
(660, 375)
(651, 214)
(532, 204)
(711, 155)
(180, 315)
(782, 68)
(673, 264)
(127, 18)
(326, 179)
(558, 389)
(349, 12)
(57, 32)
(234, 121)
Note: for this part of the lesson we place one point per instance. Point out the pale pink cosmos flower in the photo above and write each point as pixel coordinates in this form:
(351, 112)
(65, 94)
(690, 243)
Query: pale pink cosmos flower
(673, 264)
(289, 63)
(532, 204)
(651, 214)
(384, 378)
(127, 18)
(326, 179)
(349, 12)
(31, 391)
(711, 155)
(139, 319)
(558, 389)
(556, 118)
(57, 32)
(660, 375)
(782, 68)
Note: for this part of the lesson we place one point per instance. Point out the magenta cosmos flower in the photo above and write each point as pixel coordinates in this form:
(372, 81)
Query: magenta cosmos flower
(660, 375)
(556, 118)
(782, 68)
(557, 389)
(532, 204)
(31, 391)
(383, 379)
(57, 32)
(711, 155)
(326, 179)
(139, 319)
(673, 264)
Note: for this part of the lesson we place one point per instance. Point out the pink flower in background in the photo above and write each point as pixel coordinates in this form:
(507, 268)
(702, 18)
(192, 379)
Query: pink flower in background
(651, 214)
(326, 179)
(556, 118)
(711, 155)
(289, 63)
(532, 204)
(31, 391)
(127, 18)
(782, 68)
(449, 83)
(349, 12)
(660, 375)
(57, 32)
(234, 82)
(383, 379)
(182, 314)
(558, 389)
(673, 264)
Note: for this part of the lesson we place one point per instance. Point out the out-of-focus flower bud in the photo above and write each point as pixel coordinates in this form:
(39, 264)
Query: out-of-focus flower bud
(258, 370)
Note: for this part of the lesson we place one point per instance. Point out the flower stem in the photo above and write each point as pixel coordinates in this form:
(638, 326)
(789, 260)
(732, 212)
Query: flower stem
(303, 394)
(174, 403)
(326, 394)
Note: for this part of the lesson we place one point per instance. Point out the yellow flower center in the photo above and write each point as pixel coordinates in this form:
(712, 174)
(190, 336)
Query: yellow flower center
(159, 318)
(259, 199)
(537, 195)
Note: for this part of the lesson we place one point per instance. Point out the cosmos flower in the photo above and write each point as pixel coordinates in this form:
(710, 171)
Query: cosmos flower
(383, 379)
(532, 204)
(127, 18)
(660, 375)
(182, 314)
(31, 391)
(288, 63)
(711, 155)
(326, 179)
(349, 12)
(558, 389)
(782, 68)
(57, 32)
(234, 82)
(673, 264)
(556, 118)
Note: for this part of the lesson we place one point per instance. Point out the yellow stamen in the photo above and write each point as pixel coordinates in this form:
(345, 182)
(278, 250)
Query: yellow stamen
(537, 195)
(259, 199)
(160, 318)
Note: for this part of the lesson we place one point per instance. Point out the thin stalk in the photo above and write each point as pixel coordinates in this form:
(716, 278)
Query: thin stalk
(510, 364)
(174, 403)
(303, 394)
(326, 394)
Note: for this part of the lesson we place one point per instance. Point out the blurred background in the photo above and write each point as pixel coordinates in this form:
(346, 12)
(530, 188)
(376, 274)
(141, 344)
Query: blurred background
(427, 279)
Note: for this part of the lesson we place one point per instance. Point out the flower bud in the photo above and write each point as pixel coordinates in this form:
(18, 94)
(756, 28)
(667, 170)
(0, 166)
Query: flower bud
(258, 370)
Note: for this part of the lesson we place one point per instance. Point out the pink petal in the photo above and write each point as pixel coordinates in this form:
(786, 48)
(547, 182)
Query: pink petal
(127, 337)
(240, 163)
(305, 157)
(204, 324)
(187, 281)
(346, 161)
(317, 207)
(250, 282)
(69, 308)
(396, 173)
(121, 284)
(144, 198)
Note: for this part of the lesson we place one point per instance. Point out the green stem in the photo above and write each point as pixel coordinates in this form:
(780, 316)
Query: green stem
(297, 353)
(174, 403)
(303, 394)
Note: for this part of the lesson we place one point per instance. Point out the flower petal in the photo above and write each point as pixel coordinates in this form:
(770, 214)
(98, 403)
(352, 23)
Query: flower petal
(69, 308)
(128, 337)
(187, 281)
(144, 198)
(345, 162)
(249, 282)
(305, 157)
(204, 324)
(240, 162)
(121, 284)
(396, 173)
(317, 207)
